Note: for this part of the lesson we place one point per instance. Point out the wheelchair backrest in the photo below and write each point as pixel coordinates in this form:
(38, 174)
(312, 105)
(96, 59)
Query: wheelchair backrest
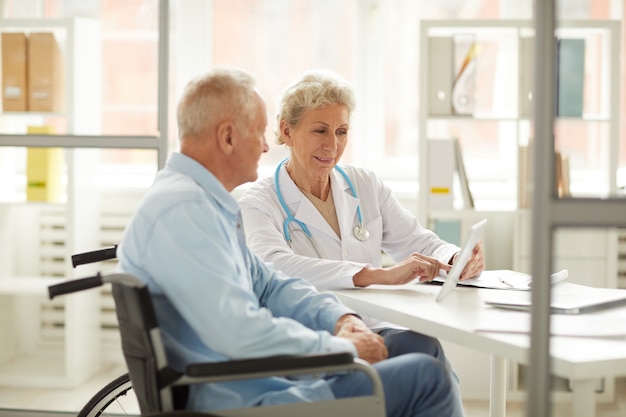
(143, 348)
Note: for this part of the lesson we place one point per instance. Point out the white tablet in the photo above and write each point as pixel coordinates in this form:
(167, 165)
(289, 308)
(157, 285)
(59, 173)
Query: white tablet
(476, 234)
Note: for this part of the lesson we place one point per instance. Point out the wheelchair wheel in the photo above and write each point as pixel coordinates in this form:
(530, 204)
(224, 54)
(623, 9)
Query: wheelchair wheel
(116, 398)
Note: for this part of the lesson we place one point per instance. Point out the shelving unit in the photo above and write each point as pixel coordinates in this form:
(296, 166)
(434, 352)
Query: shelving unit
(59, 352)
(56, 344)
(498, 120)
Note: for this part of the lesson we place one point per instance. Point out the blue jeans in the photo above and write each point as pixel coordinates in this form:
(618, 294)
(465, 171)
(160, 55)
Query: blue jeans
(417, 378)
(400, 341)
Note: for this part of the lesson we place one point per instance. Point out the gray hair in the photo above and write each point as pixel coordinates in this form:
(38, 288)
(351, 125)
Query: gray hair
(315, 89)
(208, 99)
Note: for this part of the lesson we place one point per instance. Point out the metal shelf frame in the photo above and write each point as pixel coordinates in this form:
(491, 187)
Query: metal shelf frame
(159, 143)
(549, 212)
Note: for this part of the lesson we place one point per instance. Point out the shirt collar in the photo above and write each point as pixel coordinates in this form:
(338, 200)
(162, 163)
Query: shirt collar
(204, 178)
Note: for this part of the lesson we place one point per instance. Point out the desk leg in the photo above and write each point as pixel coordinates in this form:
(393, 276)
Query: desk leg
(584, 398)
(497, 389)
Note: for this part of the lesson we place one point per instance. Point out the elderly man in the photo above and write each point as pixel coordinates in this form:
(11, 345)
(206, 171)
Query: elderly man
(216, 300)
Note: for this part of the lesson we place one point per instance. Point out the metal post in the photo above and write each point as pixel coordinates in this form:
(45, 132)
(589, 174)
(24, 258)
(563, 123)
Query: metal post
(163, 74)
(539, 389)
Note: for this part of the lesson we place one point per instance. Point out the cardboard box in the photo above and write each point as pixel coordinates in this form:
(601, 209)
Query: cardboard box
(14, 88)
(45, 74)
(44, 168)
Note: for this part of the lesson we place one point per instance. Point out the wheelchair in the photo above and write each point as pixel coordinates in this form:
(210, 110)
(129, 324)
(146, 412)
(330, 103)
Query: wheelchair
(162, 390)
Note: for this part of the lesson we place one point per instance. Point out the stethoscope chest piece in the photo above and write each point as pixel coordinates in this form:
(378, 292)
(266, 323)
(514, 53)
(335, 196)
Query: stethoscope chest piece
(361, 233)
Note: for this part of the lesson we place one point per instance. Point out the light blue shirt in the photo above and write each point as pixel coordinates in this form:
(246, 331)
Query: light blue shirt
(215, 300)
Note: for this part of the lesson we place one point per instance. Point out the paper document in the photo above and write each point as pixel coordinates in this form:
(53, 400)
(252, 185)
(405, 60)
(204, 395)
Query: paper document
(567, 298)
(592, 325)
(505, 279)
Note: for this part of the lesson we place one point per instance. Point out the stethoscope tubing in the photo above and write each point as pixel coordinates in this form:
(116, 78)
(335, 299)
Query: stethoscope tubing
(291, 218)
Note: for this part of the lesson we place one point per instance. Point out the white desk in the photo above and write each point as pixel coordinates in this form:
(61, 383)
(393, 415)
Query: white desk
(582, 360)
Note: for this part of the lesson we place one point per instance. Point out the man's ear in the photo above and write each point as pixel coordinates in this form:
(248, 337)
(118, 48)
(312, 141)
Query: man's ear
(226, 136)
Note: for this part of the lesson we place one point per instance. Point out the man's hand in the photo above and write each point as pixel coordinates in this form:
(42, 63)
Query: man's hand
(370, 346)
(415, 266)
(350, 322)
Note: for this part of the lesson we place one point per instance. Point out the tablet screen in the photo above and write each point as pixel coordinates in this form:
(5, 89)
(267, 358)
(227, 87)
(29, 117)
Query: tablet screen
(476, 233)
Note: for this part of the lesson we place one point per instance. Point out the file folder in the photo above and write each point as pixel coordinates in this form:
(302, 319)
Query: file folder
(440, 70)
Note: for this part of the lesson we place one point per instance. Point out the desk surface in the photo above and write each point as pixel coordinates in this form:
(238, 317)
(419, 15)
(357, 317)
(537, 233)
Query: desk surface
(457, 317)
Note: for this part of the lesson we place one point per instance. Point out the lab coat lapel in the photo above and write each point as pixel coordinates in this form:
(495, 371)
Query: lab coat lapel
(345, 204)
(302, 208)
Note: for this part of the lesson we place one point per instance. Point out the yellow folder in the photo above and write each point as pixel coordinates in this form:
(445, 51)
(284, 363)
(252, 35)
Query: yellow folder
(44, 167)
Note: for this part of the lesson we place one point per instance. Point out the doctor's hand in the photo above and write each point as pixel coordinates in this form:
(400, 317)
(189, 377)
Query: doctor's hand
(415, 266)
(476, 264)
(369, 345)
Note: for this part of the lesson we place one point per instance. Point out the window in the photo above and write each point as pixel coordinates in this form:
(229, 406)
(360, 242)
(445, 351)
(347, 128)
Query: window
(372, 43)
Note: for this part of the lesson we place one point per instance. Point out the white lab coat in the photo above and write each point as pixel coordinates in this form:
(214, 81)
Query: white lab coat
(392, 228)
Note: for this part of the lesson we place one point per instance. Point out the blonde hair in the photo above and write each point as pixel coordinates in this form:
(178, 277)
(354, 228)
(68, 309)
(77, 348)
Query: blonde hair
(315, 89)
(223, 92)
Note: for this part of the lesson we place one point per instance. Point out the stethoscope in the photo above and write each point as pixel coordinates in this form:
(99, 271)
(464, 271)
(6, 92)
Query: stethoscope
(360, 232)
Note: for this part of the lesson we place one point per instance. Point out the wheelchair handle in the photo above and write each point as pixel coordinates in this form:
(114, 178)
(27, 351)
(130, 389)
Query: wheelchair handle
(94, 256)
(75, 285)
(98, 280)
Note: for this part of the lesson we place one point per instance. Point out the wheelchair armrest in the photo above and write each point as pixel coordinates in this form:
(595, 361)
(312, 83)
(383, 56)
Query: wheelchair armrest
(286, 365)
(276, 364)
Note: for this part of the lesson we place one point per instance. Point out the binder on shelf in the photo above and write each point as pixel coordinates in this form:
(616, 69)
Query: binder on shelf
(570, 77)
(440, 70)
(525, 181)
(45, 73)
(527, 75)
(43, 170)
(525, 185)
(446, 175)
(562, 175)
(14, 72)
(466, 52)
(463, 183)
(441, 165)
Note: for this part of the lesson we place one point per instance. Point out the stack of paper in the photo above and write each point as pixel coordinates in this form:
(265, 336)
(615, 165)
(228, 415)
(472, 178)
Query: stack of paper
(505, 279)
(567, 298)
(560, 325)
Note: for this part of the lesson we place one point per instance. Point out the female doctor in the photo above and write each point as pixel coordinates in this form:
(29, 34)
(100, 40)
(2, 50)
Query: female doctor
(328, 223)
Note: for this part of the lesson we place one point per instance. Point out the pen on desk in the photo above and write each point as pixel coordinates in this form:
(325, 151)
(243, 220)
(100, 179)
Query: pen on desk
(505, 282)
